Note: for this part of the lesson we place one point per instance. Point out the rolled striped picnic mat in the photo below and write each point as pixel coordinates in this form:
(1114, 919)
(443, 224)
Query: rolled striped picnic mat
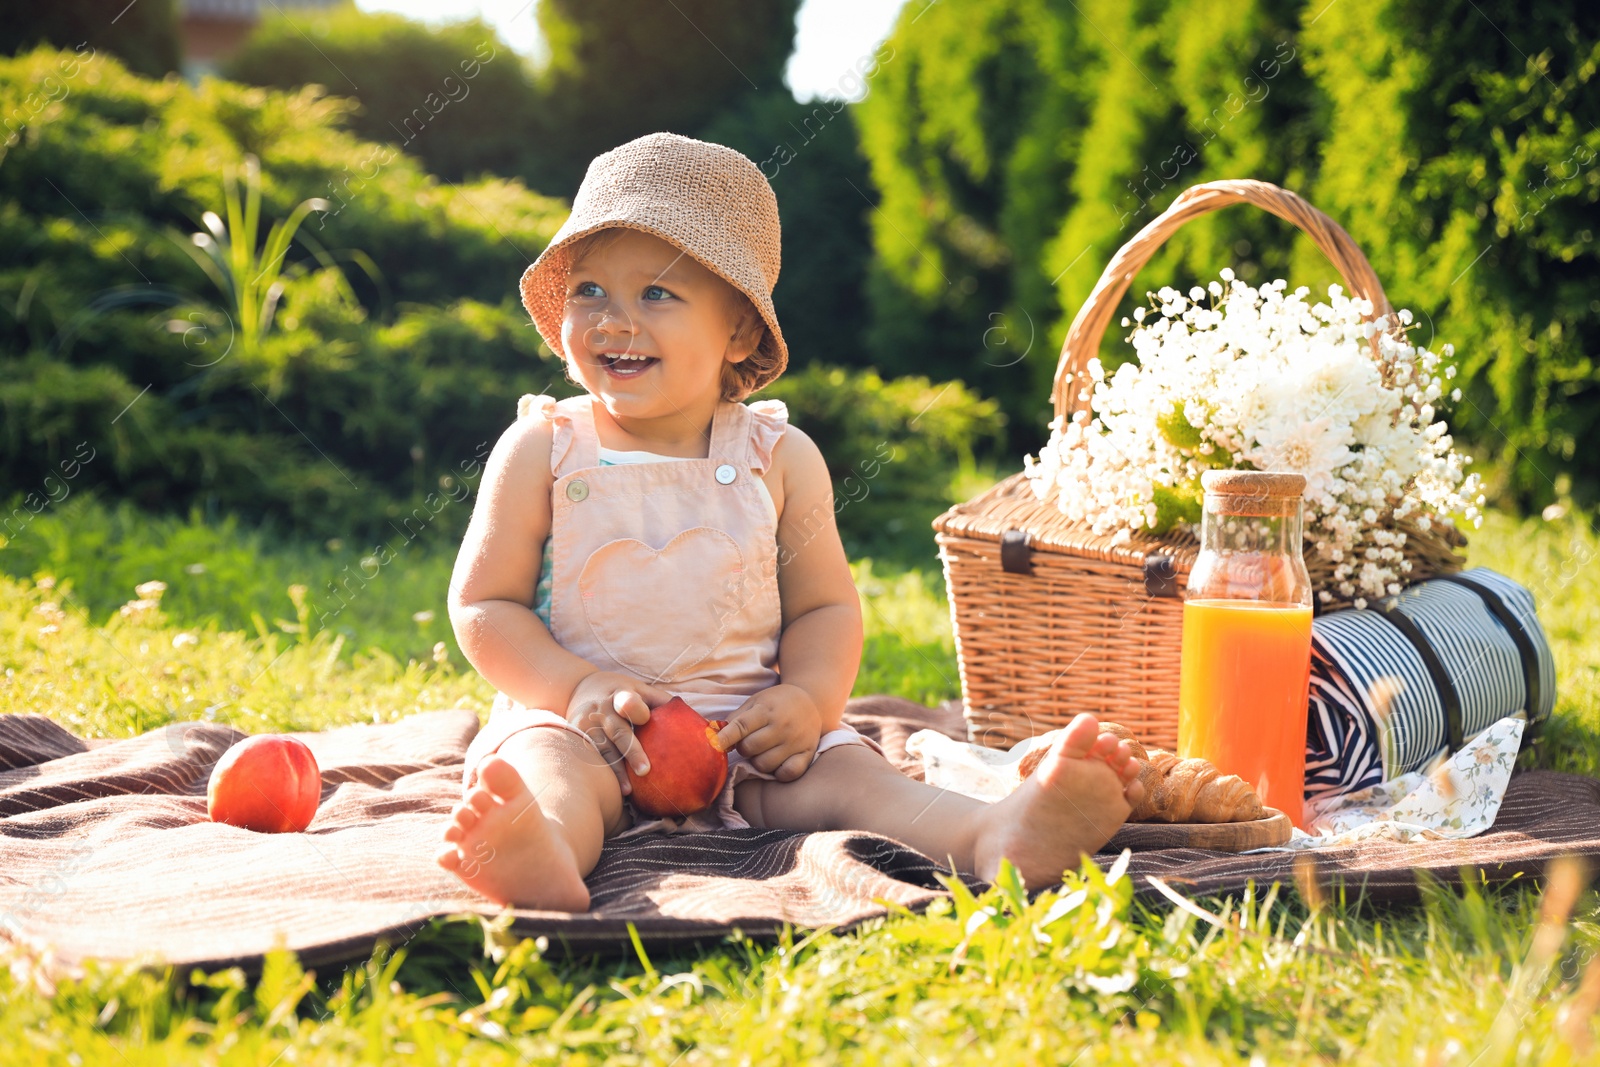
(1419, 674)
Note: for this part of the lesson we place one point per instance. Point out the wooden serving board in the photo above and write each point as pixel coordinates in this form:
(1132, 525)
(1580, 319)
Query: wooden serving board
(1217, 836)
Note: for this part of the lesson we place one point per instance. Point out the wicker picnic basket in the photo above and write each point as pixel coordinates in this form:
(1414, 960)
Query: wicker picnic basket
(1052, 619)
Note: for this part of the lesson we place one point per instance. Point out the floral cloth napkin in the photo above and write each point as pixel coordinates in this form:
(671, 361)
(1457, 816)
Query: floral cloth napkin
(1452, 796)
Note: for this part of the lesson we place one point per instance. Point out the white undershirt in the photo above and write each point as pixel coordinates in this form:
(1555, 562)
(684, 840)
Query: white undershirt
(617, 455)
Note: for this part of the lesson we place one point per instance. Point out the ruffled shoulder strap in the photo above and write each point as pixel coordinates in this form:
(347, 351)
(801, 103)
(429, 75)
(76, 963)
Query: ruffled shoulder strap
(563, 415)
(768, 419)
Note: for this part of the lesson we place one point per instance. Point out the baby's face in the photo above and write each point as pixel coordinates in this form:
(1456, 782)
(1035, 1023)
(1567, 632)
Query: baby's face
(640, 296)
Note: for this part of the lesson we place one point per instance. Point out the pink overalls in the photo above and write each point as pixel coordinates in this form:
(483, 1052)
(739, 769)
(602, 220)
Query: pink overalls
(665, 571)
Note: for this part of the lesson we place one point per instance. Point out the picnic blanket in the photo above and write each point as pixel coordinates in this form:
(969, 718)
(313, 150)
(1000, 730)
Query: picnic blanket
(106, 852)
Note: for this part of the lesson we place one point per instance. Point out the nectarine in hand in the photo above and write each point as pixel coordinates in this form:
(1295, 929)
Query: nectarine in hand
(687, 768)
(268, 782)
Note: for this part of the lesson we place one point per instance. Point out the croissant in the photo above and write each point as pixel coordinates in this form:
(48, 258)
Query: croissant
(1177, 790)
(1193, 790)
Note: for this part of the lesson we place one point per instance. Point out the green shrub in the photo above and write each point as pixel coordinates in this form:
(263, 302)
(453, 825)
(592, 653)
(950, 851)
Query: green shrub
(455, 96)
(1466, 163)
(111, 337)
(972, 127)
(143, 35)
(1017, 144)
(619, 69)
(895, 450)
(346, 419)
(811, 155)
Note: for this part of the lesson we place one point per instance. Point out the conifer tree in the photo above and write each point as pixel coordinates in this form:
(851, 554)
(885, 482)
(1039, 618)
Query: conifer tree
(1461, 151)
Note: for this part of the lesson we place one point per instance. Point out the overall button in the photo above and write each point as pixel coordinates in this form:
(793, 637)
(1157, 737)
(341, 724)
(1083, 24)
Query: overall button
(577, 490)
(726, 473)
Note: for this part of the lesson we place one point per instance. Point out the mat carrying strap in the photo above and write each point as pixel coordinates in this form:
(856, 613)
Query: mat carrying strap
(1532, 682)
(1435, 667)
(1449, 697)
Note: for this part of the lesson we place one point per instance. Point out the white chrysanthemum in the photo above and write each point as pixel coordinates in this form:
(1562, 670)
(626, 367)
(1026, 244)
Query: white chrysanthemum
(1314, 448)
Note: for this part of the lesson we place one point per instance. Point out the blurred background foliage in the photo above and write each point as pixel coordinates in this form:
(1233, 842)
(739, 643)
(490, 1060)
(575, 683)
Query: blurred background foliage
(939, 233)
(454, 96)
(143, 35)
(1016, 144)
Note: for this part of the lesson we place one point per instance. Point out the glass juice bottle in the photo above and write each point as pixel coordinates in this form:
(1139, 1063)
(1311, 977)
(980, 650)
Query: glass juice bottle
(1246, 659)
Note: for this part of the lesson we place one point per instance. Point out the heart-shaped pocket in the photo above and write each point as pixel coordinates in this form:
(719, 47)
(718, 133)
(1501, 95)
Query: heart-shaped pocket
(660, 612)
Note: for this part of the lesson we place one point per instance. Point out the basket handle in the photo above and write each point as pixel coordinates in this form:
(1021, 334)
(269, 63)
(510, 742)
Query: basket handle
(1083, 339)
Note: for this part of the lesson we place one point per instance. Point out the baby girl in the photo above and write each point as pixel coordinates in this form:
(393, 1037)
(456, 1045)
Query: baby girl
(657, 537)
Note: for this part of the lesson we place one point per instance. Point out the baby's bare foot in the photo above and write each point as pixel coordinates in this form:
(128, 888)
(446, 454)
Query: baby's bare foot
(1069, 806)
(500, 844)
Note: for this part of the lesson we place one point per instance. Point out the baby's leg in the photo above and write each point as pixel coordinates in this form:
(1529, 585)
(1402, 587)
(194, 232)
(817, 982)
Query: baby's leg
(1071, 805)
(531, 827)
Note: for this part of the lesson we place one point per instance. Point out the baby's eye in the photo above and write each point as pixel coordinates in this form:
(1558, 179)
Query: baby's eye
(656, 289)
(587, 289)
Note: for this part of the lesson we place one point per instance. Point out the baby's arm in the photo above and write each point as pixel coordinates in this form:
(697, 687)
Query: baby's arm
(497, 569)
(819, 651)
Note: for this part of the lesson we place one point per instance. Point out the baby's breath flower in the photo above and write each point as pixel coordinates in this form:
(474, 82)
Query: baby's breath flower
(1266, 378)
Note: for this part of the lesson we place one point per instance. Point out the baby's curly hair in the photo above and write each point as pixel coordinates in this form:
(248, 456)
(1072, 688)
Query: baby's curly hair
(764, 364)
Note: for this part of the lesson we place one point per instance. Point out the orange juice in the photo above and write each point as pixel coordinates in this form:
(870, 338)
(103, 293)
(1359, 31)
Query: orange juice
(1246, 668)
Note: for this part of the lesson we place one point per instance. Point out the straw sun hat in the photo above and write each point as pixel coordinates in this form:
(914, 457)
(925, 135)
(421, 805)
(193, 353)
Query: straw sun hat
(708, 200)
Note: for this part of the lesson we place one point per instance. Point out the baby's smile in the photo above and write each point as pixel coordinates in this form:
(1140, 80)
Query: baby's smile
(620, 364)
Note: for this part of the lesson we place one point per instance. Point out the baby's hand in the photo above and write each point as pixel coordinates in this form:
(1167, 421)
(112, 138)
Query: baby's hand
(606, 706)
(776, 730)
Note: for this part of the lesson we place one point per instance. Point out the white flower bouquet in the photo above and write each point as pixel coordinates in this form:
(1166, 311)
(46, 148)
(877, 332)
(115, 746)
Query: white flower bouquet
(1259, 379)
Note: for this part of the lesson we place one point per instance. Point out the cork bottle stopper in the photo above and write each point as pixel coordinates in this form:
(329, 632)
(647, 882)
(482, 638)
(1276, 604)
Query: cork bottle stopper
(1252, 492)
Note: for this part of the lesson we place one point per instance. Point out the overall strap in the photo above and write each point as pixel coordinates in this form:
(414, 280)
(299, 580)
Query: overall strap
(730, 434)
(583, 447)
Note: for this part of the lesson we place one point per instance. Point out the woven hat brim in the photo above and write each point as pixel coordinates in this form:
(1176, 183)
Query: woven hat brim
(544, 290)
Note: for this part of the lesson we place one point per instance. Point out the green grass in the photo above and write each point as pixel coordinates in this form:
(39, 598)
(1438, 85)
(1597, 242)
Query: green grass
(1468, 976)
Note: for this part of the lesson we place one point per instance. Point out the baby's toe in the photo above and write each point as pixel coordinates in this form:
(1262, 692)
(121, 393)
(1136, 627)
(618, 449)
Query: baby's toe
(1080, 736)
(479, 801)
(1133, 792)
(1106, 747)
(463, 821)
(1125, 763)
(501, 779)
